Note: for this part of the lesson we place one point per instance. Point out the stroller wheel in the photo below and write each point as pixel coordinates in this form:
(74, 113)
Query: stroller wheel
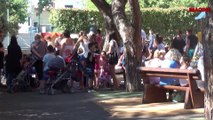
(50, 91)
(67, 89)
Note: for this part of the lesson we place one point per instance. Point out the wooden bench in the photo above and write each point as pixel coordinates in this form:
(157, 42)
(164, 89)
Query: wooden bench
(194, 97)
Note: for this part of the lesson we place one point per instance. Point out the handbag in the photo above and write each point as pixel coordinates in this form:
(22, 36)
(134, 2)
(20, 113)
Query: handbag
(113, 58)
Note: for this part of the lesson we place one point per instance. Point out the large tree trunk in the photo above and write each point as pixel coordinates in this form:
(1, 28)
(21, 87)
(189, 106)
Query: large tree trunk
(105, 10)
(208, 64)
(130, 33)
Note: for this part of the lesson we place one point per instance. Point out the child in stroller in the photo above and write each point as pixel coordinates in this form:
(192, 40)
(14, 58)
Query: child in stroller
(26, 79)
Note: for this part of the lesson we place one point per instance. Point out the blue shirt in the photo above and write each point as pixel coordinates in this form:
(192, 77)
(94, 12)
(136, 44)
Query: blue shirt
(151, 41)
(168, 64)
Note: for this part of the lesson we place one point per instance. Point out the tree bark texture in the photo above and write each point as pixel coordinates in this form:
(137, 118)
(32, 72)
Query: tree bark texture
(105, 10)
(130, 33)
(208, 64)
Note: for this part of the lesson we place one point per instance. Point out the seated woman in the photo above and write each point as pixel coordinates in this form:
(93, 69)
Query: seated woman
(157, 45)
(156, 63)
(172, 59)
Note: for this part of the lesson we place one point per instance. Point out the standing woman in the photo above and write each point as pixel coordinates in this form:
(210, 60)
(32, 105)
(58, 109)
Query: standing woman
(113, 50)
(13, 66)
(67, 45)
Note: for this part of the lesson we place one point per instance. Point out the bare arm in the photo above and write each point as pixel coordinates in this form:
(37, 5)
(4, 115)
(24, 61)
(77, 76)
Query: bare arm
(62, 49)
(110, 48)
(80, 39)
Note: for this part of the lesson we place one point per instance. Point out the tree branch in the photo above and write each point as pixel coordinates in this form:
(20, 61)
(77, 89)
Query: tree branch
(120, 19)
(103, 6)
(136, 14)
(136, 23)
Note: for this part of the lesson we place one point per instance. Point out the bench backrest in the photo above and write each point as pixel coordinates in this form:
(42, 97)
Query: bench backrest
(170, 73)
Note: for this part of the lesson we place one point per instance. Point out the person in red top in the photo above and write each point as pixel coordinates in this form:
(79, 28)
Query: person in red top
(99, 39)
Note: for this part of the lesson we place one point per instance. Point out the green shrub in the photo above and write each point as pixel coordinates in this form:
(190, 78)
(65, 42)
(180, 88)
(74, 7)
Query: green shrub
(75, 20)
(167, 21)
(163, 21)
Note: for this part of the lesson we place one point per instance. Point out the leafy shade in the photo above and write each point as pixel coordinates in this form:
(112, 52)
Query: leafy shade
(17, 14)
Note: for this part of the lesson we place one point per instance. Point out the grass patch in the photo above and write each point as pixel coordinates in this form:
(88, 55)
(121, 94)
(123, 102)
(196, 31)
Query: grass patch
(116, 94)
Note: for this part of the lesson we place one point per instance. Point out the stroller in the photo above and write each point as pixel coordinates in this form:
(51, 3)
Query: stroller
(26, 80)
(63, 79)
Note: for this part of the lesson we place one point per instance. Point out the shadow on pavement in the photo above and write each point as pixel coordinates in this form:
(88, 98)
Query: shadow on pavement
(128, 106)
(32, 106)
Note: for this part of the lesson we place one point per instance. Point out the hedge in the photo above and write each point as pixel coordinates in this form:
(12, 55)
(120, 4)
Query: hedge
(75, 20)
(163, 21)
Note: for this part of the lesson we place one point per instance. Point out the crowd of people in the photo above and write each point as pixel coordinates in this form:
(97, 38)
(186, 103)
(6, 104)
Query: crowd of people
(183, 52)
(49, 54)
(97, 65)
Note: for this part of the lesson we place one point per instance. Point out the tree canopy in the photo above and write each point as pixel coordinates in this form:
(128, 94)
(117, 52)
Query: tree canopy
(17, 14)
(160, 3)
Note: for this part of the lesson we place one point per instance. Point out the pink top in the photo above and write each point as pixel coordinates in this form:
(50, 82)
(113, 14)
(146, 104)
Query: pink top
(99, 40)
(104, 69)
(97, 65)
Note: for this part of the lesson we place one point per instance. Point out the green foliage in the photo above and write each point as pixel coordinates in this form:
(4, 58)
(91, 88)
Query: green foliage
(17, 14)
(163, 21)
(159, 3)
(166, 21)
(43, 4)
(75, 20)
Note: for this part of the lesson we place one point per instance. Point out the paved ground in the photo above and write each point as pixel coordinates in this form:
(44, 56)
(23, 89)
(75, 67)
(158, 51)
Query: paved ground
(32, 106)
(102, 105)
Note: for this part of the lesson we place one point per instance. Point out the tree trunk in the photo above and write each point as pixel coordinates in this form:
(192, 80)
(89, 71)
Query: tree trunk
(208, 65)
(105, 10)
(130, 33)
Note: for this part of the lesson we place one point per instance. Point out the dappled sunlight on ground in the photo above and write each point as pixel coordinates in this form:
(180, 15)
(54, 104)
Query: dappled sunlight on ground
(133, 108)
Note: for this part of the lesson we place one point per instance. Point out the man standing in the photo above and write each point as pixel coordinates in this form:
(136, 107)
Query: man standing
(38, 49)
(178, 42)
(191, 42)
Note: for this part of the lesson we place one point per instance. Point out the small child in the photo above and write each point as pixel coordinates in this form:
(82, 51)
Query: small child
(90, 66)
(46, 59)
(105, 76)
(97, 70)
(185, 64)
(25, 61)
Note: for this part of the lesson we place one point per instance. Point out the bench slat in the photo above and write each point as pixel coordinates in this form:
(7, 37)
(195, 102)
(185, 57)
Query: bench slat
(169, 75)
(168, 70)
(172, 87)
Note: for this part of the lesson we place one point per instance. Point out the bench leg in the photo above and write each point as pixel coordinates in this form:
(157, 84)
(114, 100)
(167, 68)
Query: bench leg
(153, 94)
(197, 96)
(198, 99)
(187, 101)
